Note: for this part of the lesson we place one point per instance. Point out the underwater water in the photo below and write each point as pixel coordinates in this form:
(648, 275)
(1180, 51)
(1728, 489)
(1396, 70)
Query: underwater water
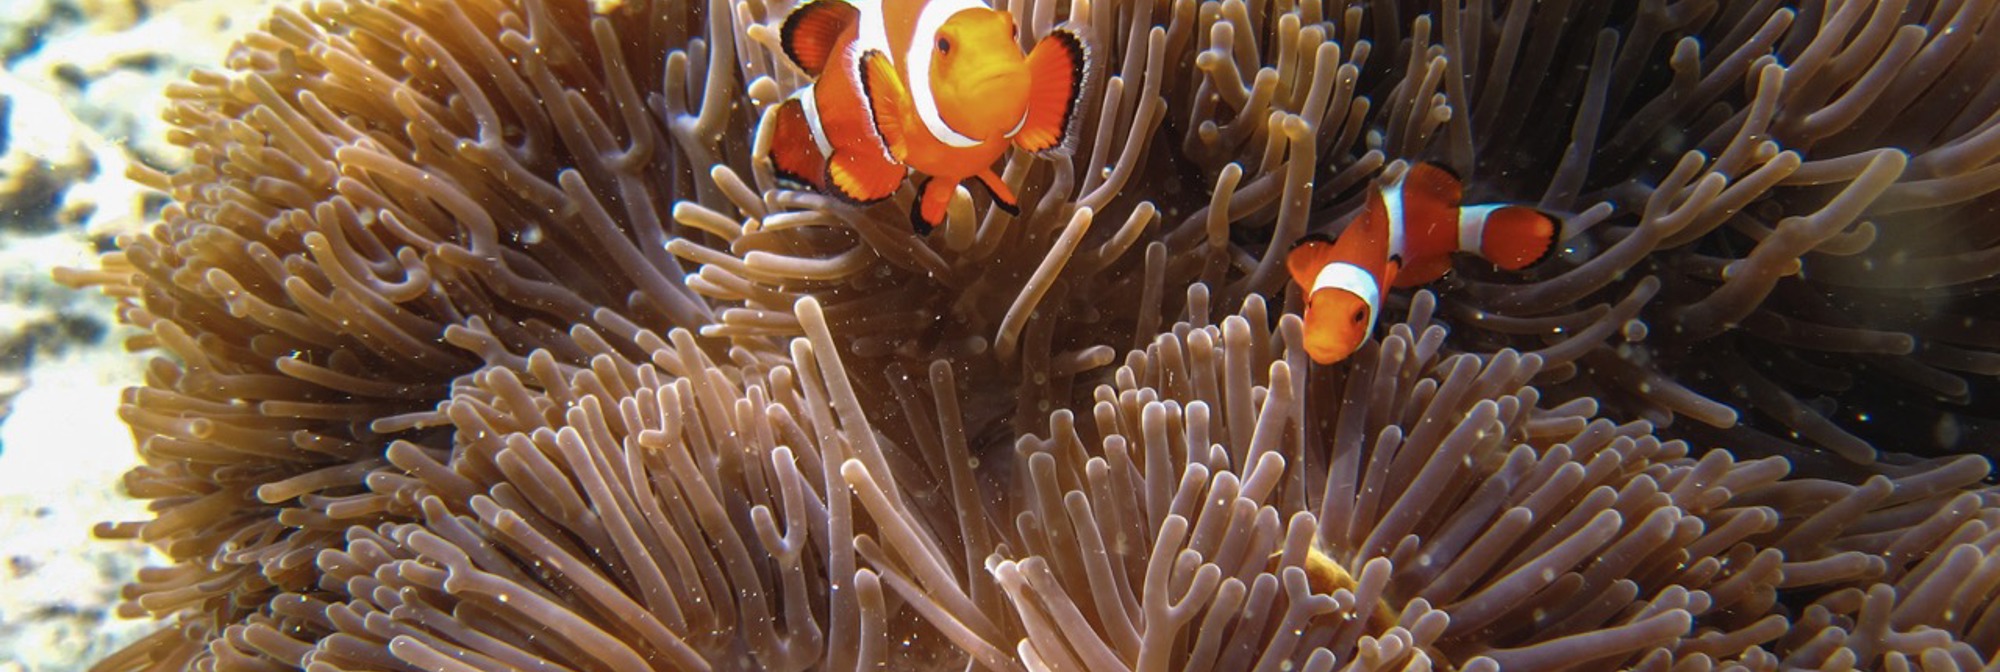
(497, 334)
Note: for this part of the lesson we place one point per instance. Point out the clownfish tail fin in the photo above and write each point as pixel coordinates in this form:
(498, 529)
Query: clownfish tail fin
(1308, 255)
(1057, 66)
(1517, 237)
(795, 155)
(810, 32)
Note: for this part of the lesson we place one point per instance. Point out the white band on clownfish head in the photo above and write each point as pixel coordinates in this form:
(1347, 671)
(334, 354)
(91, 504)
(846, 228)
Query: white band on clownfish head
(1018, 125)
(1354, 280)
(1472, 227)
(873, 33)
(922, 41)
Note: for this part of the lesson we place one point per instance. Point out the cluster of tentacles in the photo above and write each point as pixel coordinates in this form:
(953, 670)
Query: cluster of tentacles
(487, 341)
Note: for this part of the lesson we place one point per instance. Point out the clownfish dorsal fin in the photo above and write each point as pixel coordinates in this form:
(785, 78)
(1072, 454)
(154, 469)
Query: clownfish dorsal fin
(1056, 67)
(811, 32)
(1434, 180)
(890, 101)
(1310, 254)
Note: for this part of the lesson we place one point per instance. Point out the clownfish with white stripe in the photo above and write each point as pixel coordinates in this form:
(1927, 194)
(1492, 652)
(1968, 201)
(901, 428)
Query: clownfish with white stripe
(940, 87)
(1404, 237)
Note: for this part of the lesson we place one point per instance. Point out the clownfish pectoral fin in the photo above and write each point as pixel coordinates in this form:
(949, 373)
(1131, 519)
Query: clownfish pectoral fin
(795, 155)
(1057, 68)
(1517, 237)
(811, 32)
(933, 200)
(1432, 180)
(1003, 196)
(862, 175)
(888, 99)
(1310, 254)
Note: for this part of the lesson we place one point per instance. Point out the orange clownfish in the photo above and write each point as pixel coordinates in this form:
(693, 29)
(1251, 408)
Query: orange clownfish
(1404, 237)
(936, 86)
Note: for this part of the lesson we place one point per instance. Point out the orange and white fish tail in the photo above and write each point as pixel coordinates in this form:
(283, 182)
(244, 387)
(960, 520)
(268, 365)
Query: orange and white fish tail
(1057, 65)
(1513, 237)
(797, 152)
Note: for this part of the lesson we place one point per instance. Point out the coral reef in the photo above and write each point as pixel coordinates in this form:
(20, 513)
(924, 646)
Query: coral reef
(487, 342)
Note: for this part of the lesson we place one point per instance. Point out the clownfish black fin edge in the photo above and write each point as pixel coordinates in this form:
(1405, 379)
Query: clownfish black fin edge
(1050, 128)
(1554, 238)
(794, 154)
(1512, 223)
(886, 98)
(1314, 237)
(1435, 181)
(810, 32)
(1446, 167)
(1003, 197)
(917, 223)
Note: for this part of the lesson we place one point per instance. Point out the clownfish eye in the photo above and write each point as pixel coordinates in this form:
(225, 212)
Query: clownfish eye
(944, 45)
(1360, 314)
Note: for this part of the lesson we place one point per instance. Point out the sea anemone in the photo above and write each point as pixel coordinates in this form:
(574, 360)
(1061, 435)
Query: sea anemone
(1706, 158)
(680, 513)
(357, 230)
(491, 340)
(1820, 156)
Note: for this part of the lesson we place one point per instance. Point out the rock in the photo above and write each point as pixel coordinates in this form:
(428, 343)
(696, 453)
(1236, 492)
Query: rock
(80, 105)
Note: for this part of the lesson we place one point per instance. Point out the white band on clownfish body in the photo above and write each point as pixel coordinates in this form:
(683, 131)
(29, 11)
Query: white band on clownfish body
(1353, 280)
(1472, 227)
(872, 35)
(809, 104)
(1392, 203)
(922, 41)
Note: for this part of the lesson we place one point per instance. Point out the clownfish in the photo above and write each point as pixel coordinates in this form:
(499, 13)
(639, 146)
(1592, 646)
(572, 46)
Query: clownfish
(936, 86)
(1404, 237)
